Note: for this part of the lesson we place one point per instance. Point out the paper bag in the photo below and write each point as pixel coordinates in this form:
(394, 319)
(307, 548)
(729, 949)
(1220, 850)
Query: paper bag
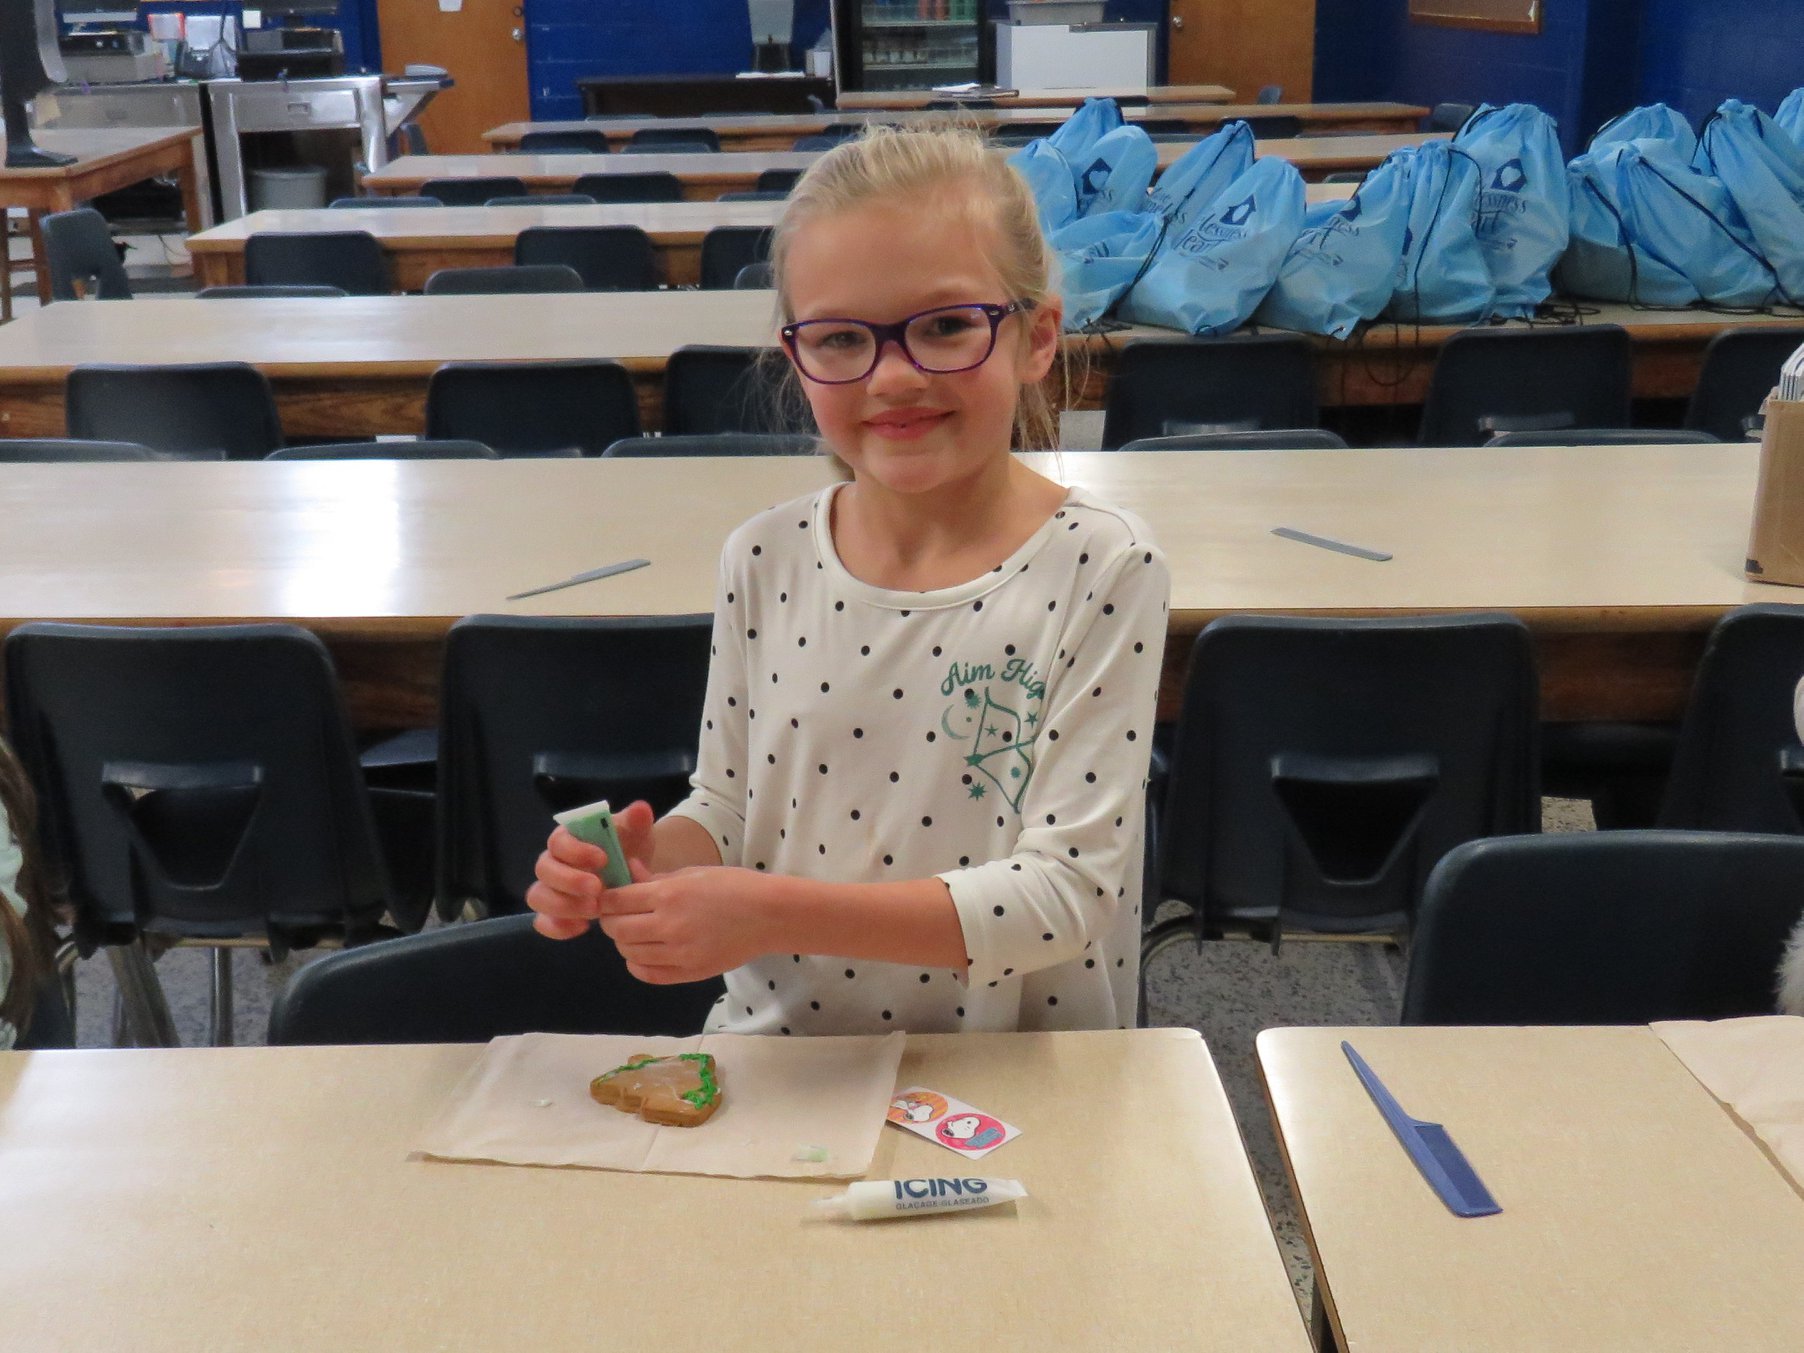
(1776, 544)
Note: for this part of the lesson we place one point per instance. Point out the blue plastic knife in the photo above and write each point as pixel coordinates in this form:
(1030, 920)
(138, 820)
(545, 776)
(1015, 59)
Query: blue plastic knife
(1442, 1164)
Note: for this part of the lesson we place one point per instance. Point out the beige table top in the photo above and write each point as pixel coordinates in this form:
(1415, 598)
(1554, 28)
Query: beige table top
(1636, 1214)
(701, 168)
(1045, 98)
(263, 1198)
(98, 148)
(733, 128)
(1574, 540)
(427, 227)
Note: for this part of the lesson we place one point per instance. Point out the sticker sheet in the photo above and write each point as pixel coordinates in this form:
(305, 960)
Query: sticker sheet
(954, 1124)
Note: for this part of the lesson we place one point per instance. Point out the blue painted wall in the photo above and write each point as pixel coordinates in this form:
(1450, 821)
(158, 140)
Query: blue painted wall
(567, 39)
(1696, 53)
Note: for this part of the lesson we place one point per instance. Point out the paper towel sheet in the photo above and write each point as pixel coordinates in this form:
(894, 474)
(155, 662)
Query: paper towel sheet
(1755, 1066)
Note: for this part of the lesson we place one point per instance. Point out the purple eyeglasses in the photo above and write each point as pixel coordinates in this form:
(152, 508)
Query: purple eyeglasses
(940, 341)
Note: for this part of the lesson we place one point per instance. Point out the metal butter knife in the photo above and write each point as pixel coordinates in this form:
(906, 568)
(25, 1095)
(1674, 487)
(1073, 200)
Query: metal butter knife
(1442, 1164)
(605, 571)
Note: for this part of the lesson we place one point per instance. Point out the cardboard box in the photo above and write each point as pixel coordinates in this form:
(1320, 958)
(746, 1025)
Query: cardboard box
(1776, 544)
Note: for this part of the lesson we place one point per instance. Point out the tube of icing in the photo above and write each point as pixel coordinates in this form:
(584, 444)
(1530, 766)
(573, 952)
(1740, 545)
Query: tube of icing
(877, 1199)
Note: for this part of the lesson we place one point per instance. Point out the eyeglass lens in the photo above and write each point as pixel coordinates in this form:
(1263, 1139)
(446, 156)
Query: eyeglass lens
(953, 339)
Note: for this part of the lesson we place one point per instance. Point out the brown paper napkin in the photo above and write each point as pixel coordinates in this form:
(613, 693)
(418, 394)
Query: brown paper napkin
(795, 1108)
(1755, 1066)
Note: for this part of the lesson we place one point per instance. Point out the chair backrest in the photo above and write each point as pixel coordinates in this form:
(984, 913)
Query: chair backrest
(753, 195)
(706, 137)
(684, 146)
(952, 105)
(1166, 387)
(1270, 94)
(1487, 381)
(421, 449)
(82, 258)
(512, 279)
(377, 200)
(1276, 128)
(717, 444)
(606, 258)
(473, 192)
(470, 983)
(543, 200)
(50, 1026)
(1741, 367)
(754, 277)
(1448, 117)
(572, 141)
(816, 142)
(533, 408)
(656, 186)
(714, 388)
(1270, 439)
(1604, 437)
(19, 450)
(1739, 766)
(1618, 927)
(351, 260)
(317, 291)
(412, 139)
(195, 780)
(541, 714)
(1321, 767)
(727, 249)
(777, 180)
(1345, 176)
(199, 410)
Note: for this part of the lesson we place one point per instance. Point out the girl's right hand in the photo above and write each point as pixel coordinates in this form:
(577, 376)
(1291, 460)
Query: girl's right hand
(569, 885)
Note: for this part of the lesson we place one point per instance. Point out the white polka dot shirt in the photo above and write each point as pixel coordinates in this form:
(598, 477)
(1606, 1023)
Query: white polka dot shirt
(995, 734)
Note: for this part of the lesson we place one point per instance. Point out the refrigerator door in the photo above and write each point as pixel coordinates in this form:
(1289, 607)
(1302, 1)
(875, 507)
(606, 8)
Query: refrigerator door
(914, 44)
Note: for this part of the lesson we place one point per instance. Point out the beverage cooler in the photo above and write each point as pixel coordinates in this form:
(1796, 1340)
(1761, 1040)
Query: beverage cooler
(911, 44)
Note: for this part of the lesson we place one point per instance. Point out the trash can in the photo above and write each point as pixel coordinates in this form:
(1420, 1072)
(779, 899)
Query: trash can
(303, 186)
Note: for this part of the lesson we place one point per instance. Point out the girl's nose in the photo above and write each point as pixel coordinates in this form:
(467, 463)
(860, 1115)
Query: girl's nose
(894, 370)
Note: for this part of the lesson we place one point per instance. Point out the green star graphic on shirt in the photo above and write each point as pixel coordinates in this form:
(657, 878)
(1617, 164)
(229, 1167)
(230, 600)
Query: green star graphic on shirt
(1005, 756)
(977, 790)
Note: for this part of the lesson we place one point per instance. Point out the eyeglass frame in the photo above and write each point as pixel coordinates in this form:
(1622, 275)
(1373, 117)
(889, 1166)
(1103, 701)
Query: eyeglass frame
(897, 333)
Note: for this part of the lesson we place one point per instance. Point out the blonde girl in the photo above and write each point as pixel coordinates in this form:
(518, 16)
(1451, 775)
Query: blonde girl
(920, 785)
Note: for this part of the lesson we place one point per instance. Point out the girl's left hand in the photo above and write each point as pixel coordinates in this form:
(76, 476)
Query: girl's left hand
(688, 925)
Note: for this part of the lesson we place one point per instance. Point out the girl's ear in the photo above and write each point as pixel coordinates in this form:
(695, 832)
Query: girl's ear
(1045, 323)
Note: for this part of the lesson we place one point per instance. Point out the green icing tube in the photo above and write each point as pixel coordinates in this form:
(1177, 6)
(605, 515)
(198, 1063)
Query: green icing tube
(594, 823)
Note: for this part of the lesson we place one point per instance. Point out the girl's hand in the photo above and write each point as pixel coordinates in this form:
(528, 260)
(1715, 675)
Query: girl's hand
(569, 886)
(691, 924)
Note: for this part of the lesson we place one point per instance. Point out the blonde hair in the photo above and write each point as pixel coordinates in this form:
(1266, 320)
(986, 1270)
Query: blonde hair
(932, 164)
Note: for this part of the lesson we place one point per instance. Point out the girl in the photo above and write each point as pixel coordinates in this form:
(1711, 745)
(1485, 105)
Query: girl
(26, 937)
(920, 789)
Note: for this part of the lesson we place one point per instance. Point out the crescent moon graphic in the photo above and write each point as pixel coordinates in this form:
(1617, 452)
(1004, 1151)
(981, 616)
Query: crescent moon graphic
(948, 727)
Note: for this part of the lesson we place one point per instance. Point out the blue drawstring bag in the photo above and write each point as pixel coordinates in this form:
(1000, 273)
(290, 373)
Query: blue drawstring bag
(1050, 180)
(1524, 204)
(1190, 186)
(1605, 261)
(1343, 267)
(1099, 257)
(1211, 277)
(1763, 170)
(1078, 134)
(1441, 277)
(1116, 173)
(1791, 115)
(1652, 122)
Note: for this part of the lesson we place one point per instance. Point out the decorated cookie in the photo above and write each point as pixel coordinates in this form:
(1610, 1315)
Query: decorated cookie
(679, 1091)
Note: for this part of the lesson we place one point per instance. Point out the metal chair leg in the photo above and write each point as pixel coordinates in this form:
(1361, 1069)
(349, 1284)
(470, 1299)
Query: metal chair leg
(146, 1008)
(219, 1009)
(1156, 940)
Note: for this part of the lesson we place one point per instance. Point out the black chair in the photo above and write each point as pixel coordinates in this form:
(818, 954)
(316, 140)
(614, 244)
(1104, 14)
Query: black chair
(421, 449)
(411, 139)
(473, 192)
(348, 203)
(1320, 768)
(543, 200)
(82, 258)
(1487, 381)
(511, 280)
(777, 180)
(953, 105)
(1270, 94)
(198, 410)
(688, 145)
(1448, 117)
(1741, 367)
(675, 137)
(1276, 128)
(470, 983)
(712, 388)
(656, 186)
(716, 444)
(1739, 766)
(196, 783)
(1604, 437)
(753, 196)
(727, 249)
(1272, 439)
(816, 143)
(1604, 928)
(755, 277)
(533, 408)
(1345, 176)
(541, 714)
(605, 258)
(70, 450)
(571, 141)
(1164, 387)
(351, 260)
(297, 291)
(50, 1027)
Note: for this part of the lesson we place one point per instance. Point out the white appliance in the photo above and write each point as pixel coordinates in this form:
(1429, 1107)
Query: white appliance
(1074, 56)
